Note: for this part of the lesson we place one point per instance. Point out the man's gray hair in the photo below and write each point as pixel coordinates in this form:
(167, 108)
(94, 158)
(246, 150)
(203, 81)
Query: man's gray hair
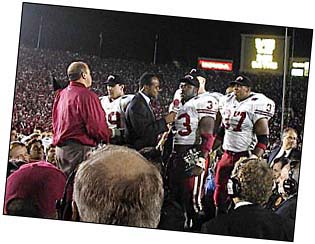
(116, 185)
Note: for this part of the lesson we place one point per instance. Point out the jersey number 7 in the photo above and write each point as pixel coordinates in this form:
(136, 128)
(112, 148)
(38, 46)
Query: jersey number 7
(238, 127)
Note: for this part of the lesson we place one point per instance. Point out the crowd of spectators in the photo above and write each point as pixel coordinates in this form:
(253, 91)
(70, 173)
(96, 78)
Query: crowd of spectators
(34, 91)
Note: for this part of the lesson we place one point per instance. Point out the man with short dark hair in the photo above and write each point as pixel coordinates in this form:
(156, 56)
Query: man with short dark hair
(79, 122)
(250, 186)
(142, 128)
(288, 187)
(279, 163)
(36, 150)
(276, 199)
(51, 154)
(117, 185)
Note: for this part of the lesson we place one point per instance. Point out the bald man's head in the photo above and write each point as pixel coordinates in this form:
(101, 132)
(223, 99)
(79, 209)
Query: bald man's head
(80, 72)
(116, 185)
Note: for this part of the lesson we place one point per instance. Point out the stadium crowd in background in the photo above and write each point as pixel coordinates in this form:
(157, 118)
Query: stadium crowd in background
(32, 137)
(36, 66)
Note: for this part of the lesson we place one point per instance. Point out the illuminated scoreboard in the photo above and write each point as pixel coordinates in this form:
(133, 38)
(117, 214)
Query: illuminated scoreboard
(261, 53)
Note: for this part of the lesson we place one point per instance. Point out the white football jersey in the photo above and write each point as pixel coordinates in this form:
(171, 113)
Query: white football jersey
(176, 103)
(189, 115)
(239, 119)
(115, 110)
(217, 95)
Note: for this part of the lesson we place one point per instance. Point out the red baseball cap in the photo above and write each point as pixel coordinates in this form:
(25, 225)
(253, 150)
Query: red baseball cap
(41, 182)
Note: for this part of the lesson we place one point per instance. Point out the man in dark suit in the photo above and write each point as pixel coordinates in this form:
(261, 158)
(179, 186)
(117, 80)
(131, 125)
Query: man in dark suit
(250, 187)
(142, 128)
(287, 148)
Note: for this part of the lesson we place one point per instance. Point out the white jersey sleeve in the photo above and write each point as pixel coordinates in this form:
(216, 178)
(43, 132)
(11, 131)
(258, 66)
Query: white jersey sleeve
(206, 105)
(176, 102)
(124, 101)
(217, 95)
(223, 100)
(263, 107)
(105, 102)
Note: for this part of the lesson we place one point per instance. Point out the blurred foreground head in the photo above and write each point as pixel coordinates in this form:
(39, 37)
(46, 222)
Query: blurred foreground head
(33, 189)
(255, 180)
(117, 185)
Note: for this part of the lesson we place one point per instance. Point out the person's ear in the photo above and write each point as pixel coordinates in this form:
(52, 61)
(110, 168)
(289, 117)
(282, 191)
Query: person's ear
(75, 212)
(146, 88)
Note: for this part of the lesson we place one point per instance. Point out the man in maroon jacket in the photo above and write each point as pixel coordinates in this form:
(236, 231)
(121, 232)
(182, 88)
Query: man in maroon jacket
(79, 122)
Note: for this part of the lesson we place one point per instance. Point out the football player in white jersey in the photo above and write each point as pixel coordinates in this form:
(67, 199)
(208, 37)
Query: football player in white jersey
(202, 79)
(244, 131)
(114, 105)
(176, 103)
(193, 141)
(165, 144)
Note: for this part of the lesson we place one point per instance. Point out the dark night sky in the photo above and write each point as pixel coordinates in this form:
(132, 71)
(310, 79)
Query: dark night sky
(131, 35)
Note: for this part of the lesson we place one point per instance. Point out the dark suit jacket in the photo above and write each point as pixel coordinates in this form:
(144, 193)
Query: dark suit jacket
(287, 209)
(272, 155)
(142, 129)
(250, 221)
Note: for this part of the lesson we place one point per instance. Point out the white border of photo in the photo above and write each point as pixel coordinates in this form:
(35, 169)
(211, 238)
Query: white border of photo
(30, 230)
